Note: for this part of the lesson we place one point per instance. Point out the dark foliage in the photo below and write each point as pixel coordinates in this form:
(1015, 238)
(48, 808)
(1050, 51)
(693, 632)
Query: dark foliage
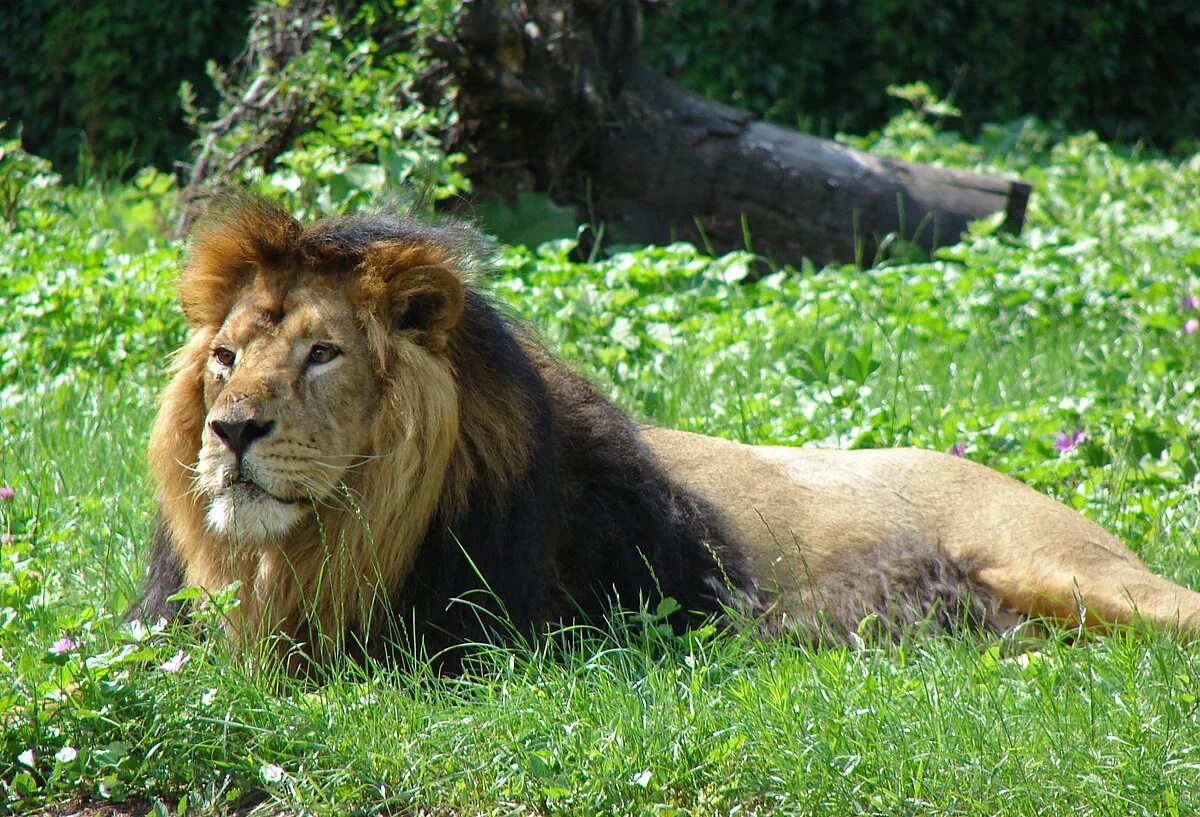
(107, 74)
(1125, 69)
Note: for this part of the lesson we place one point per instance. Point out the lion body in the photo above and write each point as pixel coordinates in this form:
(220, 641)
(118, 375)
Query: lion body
(380, 458)
(813, 519)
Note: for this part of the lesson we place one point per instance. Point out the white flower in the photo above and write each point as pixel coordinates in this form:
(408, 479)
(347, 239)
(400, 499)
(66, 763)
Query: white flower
(66, 754)
(26, 757)
(208, 697)
(174, 663)
(271, 773)
(641, 779)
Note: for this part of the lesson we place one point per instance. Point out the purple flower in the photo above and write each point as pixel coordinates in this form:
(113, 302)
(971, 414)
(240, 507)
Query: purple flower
(1069, 441)
(63, 645)
(957, 450)
(1189, 302)
(174, 663)
(6, 493)
(1190, 326)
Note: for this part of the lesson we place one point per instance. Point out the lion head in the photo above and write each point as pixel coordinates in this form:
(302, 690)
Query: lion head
(315, 422)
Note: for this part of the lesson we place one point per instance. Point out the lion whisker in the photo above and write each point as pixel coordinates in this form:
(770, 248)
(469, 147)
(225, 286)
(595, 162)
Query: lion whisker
(332, 460)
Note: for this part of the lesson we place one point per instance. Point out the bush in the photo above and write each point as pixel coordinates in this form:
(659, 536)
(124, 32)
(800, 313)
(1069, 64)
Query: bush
(104, 76)
(363, 112)
(1125, 69)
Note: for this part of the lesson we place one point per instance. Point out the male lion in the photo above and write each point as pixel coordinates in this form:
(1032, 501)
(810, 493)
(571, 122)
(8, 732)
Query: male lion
(380, 457)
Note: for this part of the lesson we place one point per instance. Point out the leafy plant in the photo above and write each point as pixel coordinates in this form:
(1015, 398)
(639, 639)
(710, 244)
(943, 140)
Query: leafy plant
(19, 171)
(358, 122)
(102, 78)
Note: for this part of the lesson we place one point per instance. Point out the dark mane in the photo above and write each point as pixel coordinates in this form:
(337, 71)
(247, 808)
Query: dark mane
(275, 234)
(592, 521)
(349, 237)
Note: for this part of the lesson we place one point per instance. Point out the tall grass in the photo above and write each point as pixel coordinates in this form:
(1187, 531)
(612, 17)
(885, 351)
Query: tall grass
(1000, 344)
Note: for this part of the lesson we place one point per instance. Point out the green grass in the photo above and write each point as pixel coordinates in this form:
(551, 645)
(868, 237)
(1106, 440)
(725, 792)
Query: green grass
(999, 343)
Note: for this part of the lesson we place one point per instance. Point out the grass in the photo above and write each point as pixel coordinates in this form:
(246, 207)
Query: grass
(1000, 344)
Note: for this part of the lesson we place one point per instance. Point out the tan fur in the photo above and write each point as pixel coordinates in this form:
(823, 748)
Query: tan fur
(808, 513)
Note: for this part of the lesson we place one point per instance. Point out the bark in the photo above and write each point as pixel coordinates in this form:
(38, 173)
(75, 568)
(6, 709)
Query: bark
(554, 98)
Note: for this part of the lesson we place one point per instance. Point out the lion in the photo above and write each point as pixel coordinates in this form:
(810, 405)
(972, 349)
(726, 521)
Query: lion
(383, 460)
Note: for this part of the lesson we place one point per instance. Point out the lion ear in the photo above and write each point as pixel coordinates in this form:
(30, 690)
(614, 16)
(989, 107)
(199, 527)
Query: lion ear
(427, 302)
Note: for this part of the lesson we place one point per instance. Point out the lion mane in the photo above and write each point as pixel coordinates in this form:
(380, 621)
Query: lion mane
(497, 490)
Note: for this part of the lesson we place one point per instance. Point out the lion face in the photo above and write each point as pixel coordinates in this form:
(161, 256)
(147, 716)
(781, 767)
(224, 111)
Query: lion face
(291, 393)
(316, 355)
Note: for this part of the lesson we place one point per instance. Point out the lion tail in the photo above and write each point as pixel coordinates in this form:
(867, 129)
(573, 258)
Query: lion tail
(906, 584)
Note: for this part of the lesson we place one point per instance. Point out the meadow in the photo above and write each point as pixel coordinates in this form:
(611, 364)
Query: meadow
(1065, 357)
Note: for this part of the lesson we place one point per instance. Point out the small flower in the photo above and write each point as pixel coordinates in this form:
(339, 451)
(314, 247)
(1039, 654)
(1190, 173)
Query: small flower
(1190, 326)
(66, 754)
(6, 493)
(27, 758)
(63, 645)
(271, 773)
(174, 663)
(1069, 441)
(7, 538)
(957, 450)
(1189, 302)
(209, 696)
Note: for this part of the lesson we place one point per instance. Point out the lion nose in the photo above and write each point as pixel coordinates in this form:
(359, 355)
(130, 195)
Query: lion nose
(238, 434)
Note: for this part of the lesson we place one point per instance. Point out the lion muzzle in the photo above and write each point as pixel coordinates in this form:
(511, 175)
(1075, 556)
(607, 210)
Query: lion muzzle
(245, 499)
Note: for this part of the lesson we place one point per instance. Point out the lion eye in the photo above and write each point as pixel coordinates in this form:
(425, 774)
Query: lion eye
(224, 356)
(323, 353)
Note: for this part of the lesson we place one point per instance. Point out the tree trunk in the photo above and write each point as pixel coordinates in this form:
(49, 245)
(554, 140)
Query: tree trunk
(554, 98)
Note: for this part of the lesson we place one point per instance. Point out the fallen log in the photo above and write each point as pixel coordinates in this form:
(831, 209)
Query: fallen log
(554, 98)
(676, 165)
